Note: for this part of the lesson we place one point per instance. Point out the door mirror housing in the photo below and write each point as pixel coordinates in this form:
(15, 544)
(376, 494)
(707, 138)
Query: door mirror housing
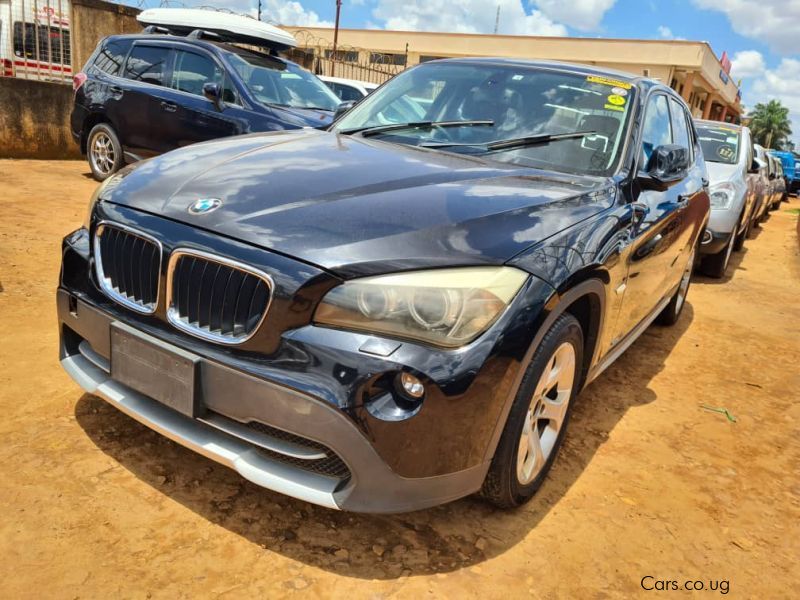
(213, 91)
(755, 167)
(668, 164)
(343, 108)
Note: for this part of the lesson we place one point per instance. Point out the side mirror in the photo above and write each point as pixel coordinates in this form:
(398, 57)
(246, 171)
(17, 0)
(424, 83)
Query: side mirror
(754, 167)
(213, 91)
(668, 165)
(343, 108)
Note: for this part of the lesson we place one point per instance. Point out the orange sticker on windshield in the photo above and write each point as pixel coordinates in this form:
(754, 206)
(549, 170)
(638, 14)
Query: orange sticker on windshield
(610, 82)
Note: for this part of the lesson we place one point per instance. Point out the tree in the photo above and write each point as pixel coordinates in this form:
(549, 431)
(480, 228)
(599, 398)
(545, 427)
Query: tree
(770, 123)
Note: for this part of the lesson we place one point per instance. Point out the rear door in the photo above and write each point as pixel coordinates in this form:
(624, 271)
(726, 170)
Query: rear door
(148, 128)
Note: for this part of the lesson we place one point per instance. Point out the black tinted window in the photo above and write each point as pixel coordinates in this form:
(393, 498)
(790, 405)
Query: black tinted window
(680, 129)
(657, 127)
(192, 71)
(111, 56)
(345, 92)
(147, 64)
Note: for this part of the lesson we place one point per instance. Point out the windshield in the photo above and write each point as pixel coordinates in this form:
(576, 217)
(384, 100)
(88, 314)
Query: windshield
(518, 101)
(720, 144)
(275, 82)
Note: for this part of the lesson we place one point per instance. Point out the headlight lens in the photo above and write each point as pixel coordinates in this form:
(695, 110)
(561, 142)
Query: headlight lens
(722, 195)
(444, 307)
(106, 185)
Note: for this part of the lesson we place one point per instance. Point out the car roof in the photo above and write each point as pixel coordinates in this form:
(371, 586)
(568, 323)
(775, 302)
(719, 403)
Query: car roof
(207, 44)
(711, 123)
(559, 65)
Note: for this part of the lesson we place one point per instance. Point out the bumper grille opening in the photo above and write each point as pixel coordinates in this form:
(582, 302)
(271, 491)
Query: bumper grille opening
(215, 298)
(331, 465)
(127, 264)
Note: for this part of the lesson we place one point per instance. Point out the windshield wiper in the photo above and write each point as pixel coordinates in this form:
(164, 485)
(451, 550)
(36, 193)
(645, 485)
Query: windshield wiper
(509, 144)
(369, 131)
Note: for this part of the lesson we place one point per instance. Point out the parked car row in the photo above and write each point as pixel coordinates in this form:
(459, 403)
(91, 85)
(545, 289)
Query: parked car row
(746, 182)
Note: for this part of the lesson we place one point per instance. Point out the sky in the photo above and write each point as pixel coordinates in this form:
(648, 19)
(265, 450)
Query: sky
(762, 37)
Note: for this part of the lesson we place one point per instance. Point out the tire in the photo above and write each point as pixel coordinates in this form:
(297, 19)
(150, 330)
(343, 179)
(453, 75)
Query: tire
(103, 151)
(715, 265)
(515, 473)
(741, 237)
(672, 311)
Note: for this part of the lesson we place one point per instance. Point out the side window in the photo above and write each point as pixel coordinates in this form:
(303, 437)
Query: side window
(109, 59)
(147, 64)
(192, 71)
(345, 92)
(680, 129)
(657, 128)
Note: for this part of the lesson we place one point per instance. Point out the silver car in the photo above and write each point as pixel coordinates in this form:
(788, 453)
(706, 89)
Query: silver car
(735, 187)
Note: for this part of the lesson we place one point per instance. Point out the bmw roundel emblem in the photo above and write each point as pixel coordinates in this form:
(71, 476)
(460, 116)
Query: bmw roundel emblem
(202, 206)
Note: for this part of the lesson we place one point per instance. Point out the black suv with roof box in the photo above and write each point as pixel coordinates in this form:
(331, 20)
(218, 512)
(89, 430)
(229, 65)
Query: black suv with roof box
(145, 94)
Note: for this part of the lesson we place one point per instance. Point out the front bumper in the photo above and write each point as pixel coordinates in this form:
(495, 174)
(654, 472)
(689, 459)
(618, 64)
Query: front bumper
(714, 242)
(369, 486)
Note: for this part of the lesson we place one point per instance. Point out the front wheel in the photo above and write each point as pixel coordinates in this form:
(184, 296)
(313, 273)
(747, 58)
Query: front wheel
(538, 418)
(103, 151)
(672, 311)
(715, 265)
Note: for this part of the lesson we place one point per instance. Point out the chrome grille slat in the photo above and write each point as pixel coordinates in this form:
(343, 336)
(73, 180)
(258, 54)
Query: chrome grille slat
(120, 266)
(199, 304)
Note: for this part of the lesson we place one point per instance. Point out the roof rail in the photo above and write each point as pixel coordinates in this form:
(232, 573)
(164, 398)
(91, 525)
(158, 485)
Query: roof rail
(155, 29)
(202, 34)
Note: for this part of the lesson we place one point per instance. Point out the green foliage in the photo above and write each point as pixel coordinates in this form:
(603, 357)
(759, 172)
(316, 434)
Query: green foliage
(770, 124)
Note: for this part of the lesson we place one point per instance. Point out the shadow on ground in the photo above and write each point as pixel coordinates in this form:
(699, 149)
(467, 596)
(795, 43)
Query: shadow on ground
(442, 539)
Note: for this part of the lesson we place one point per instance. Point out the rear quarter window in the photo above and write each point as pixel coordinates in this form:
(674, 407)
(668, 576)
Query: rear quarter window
(111, 58)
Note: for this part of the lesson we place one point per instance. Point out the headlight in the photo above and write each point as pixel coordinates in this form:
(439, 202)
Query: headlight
(106, 185)
(444, 307)
(722, 195)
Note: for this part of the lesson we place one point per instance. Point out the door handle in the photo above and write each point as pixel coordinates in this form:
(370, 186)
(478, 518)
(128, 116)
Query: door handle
(169, 106)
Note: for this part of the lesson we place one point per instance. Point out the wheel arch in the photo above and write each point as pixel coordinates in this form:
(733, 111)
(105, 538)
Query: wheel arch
(585, 300)
(91, 120)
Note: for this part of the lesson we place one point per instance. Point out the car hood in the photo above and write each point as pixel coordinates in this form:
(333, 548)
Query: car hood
(306, 117)
(360, 206)
(719, 172)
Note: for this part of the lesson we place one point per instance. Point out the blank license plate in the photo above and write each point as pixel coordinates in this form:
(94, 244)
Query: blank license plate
(163, 372)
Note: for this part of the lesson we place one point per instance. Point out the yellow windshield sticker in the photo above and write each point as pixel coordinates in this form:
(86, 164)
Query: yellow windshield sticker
(609, 82)
(614, 107)
(615, 99)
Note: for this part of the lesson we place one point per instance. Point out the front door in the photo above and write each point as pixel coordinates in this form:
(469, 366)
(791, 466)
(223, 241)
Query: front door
(657, 242)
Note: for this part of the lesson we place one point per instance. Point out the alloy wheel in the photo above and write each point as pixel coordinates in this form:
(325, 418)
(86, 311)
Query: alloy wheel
(102, 153)
(546, 413)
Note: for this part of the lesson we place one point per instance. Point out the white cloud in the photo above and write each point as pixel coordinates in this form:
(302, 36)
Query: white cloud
(665, 33)
(774, 22)
(281, 12)
(464, 16)
(747, 63)
(580, 14)
(781, 83)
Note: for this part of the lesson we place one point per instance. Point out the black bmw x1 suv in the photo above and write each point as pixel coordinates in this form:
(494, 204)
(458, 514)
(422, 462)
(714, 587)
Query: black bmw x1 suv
(397, 312)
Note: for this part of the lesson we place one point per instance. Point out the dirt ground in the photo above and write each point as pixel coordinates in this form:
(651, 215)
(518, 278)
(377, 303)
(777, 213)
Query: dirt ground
(94, 505)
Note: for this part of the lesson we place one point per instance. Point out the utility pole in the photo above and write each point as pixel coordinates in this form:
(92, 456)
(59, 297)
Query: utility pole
(497, 20)
(335, 36)
(259, 10)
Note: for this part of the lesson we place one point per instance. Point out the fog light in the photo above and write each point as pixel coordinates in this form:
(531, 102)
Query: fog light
(411, 386)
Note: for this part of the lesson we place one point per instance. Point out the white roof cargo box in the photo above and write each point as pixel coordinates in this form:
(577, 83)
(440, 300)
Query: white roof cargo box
(230, 27)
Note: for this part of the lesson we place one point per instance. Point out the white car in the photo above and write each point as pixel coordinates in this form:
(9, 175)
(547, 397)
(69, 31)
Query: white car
(349, 89)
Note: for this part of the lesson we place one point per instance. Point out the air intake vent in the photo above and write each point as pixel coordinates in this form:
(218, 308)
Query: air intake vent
(127, 264)
(216, 298)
